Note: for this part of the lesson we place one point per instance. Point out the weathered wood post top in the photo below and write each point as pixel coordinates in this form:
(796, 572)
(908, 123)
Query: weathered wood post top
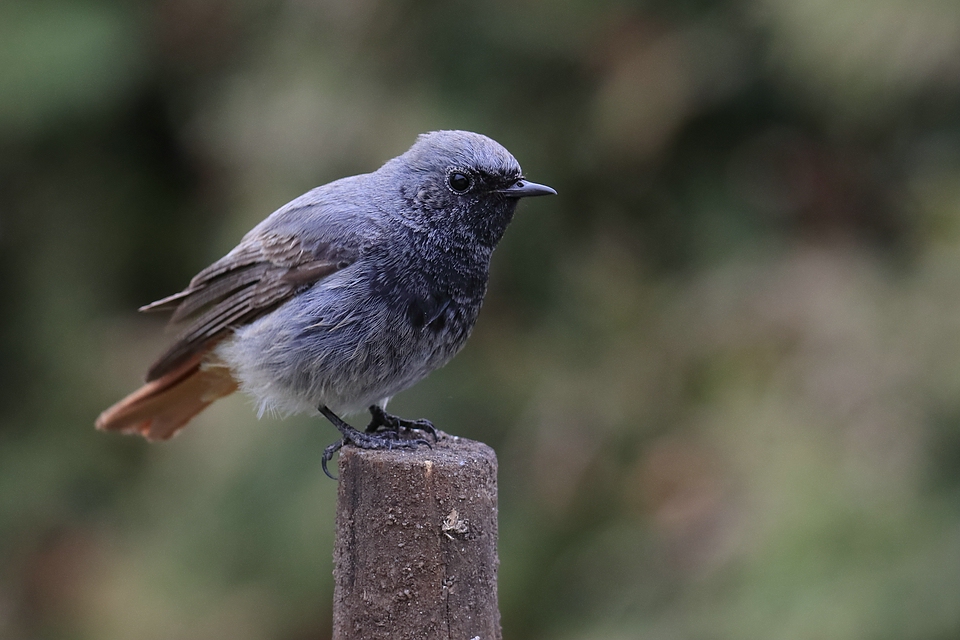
(416, 549)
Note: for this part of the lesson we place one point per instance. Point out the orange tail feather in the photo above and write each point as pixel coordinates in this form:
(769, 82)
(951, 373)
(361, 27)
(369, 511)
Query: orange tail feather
(161, 407)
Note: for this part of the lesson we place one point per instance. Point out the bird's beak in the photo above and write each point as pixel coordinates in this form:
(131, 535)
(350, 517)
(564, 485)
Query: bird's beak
(527, 189)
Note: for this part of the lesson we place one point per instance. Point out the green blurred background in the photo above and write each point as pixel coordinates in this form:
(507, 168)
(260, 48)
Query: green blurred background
(721, 370)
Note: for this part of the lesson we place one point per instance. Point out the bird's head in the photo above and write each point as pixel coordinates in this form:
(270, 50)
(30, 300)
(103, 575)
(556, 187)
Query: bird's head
(464, 182)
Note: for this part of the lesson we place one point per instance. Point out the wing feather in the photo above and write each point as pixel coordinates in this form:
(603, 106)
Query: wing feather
(260, 274)
(216, 289)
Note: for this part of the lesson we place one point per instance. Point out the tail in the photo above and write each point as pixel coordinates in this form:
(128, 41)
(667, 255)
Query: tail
(161, 407)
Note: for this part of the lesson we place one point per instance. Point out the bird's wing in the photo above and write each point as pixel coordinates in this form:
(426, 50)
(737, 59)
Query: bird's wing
(263, 271)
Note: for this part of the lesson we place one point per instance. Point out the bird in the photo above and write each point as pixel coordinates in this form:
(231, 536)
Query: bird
(340, 299)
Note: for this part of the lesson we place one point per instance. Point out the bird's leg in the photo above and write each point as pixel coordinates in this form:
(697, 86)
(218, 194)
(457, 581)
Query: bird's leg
(391, 423)
(382, 440)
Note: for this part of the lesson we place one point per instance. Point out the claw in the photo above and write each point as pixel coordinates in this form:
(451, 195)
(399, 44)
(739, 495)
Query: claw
(328, 454)
(424, 425)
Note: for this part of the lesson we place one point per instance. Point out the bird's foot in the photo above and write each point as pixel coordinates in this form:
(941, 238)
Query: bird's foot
(372, 439)
(395, 424)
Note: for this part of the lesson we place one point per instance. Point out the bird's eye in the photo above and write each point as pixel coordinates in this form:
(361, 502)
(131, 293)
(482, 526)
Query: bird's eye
(459, 182)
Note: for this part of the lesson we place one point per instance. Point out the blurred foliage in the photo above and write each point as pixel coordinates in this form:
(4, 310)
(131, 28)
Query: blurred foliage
(721, 370)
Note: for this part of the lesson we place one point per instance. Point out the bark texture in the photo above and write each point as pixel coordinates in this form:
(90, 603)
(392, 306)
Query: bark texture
(416, 548)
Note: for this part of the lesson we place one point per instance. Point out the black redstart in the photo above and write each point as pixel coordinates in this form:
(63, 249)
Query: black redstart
(341, 298)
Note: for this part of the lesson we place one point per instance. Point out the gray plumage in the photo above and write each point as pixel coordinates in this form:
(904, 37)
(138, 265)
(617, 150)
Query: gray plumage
(355, 290)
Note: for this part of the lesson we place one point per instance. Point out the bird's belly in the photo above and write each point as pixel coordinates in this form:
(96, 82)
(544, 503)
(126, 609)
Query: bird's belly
(344, 351)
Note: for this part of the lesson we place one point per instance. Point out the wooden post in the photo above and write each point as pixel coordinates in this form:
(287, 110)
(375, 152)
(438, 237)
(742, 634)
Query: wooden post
(416, 549)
